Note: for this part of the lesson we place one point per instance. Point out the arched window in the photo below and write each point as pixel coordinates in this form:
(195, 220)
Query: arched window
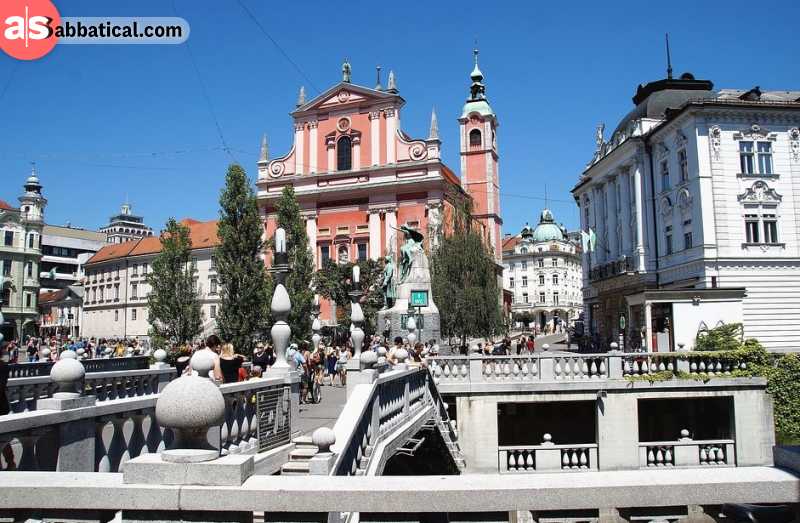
(475, 138)
(344, 154)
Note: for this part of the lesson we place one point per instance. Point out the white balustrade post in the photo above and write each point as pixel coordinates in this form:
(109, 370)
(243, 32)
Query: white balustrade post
(322, 462)
(615, 363)
(281, 305)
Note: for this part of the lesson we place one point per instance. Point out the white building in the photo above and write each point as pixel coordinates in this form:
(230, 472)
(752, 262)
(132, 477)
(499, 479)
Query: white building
(65, 250)
(696, 207)
(20, 255)
(61, 311)
(126, 226)
(115, 299)
(542, 269)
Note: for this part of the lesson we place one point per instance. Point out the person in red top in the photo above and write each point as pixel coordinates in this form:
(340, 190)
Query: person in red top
(530, 344)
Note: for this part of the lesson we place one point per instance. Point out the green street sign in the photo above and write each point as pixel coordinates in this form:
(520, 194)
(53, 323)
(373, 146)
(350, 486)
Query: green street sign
(622, 323)
(419, 298)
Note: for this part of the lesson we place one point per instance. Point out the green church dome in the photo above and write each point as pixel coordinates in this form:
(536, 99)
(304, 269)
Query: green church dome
(547, 229)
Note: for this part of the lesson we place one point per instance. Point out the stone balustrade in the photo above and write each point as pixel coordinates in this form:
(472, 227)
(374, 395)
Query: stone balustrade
(544, 367)
(103, 436)
(42, 368)
(687, 453)
(24, 393)
(547, 457)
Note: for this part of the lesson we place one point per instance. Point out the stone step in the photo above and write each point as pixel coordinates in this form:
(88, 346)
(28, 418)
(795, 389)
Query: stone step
(295, 468)
(303, 441)
(302, 453)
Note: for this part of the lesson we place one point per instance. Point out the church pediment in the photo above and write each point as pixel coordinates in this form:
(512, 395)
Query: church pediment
(346, 94)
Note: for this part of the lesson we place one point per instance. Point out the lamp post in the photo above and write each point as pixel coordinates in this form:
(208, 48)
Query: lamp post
(281, 304)
(356, 314)
(315, 325)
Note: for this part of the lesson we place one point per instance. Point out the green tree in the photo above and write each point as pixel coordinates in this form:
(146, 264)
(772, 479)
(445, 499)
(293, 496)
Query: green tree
(174, 311)
(464, 278)
(334, 282)
(244, 308)
(301, 262)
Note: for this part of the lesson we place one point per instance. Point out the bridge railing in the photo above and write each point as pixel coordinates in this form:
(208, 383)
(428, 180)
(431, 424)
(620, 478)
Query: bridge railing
(42, 368)
(103, 436)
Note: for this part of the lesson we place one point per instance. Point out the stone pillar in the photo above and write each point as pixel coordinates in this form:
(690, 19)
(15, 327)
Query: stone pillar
(299, 148)
(312, 146)
(311, 232)
(374, 234)
(613, 215)
(356, 163)
(391, 233)
(477, 430)
(623, 181)
(638, 198)
(600, 223)
(374, 137)
(391, 128)
(330, 146)
(648, 326)
(618, 432)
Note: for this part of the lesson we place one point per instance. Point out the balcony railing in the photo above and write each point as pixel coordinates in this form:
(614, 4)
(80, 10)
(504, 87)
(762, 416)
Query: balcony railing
(687, 453)
(547, 457)
(624, 265)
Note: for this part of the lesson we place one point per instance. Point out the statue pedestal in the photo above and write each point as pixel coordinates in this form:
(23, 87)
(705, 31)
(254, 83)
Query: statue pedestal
(418, 280)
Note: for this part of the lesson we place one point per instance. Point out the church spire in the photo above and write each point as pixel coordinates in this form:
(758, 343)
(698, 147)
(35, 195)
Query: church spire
(477, 90)
(391, 84)
(264, 156)
(434, 133)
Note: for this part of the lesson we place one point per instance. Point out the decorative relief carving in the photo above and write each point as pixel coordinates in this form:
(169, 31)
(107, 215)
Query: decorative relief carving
(755, 132)
(685, 200)
(313, 124)
(388, 113)
(276, 169)
(343, 96)
(418, 151)
(299, 126)
(680, 139)
(794, 143)
(760, 192)
(343, 125)
(373, 115)
(666, 206)
(714, 141)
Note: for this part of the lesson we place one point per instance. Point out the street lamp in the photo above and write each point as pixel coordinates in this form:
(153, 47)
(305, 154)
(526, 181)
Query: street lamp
(356, 314)
(281, 304)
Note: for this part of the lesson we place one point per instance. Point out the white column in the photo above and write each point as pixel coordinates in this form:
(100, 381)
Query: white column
(624, 212)
(356, 164)
(298, 148)
(391, 127)
(637, 189)
(330, 144)
(311, 232)
(613, 216)
(391, 234)
(312, 146)
(374, 137)
(648, 326)
(599, 224)
(374, 235)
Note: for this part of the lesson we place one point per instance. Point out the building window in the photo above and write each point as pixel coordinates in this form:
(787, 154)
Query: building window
(212, 286)
(555, 262)
(540, 262)
(765, 157)
(555, 298)
(116, 315)
(687, 240)
(194, 264)
(9, 238)
(664, 175)
(29, 269)
(668, 239)
(524, 281)
(555, 279)
(31, 241)
(144, 269)
(541, 297)
(134, 291)
(116, 292)
(524, 266)
(770, 228)
(525, 297)
(684, 165)
(344, 154)
(475, 138)
(523, 250)
(511, 283)
(213, 311)
(541, 279)
(362, 251)
(28, 299)
(324, 253)
(134, 270)
(746, 157)
(133, 314)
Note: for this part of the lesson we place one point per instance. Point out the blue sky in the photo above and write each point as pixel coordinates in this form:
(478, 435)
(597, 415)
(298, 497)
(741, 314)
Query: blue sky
(106, 122)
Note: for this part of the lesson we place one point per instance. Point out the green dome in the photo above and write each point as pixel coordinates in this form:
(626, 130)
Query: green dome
(547, 229)
(477, 106)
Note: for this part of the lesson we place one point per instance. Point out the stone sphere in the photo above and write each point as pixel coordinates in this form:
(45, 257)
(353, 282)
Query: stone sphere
(108, 350)
(160, 355)
(546, 346)
(45, 352)
(190, 402)
(203, 362)
(81, 351)
(67, 371)
(369, 358)
(323, 438)
(547, 438)
(684, 433)
(69, 355)
(382, 351)
(401, 355)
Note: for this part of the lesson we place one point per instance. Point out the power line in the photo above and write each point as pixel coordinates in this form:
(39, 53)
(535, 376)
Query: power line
(205, 95)
(275, 43)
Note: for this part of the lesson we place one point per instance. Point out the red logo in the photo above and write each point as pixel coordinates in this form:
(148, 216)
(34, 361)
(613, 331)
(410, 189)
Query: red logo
(27, 28)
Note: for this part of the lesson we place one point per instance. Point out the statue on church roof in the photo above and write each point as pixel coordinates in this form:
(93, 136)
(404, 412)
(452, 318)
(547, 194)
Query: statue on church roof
(346, 71)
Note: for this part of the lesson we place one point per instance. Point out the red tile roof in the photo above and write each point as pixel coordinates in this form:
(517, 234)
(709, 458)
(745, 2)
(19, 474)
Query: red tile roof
(203, 235)
(5, 206)
(509, 243)
(48, 297)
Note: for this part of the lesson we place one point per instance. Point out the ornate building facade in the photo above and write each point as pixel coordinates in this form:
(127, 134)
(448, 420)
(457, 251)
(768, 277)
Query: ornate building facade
(542, 270)
(126, 226)
(358, 176)
(20, 256)
(693, 201)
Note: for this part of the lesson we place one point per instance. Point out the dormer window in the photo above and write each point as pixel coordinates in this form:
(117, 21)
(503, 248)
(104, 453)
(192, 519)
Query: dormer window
(475, 138)
(344, 154)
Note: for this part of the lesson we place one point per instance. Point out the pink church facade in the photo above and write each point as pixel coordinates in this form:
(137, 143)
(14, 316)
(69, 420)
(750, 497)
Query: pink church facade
(358, 176)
